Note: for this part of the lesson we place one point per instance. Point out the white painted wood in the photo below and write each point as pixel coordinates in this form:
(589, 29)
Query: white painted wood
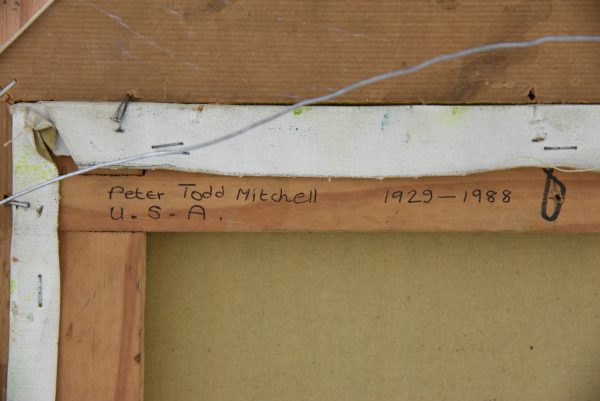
(34, 272)
(348, 141)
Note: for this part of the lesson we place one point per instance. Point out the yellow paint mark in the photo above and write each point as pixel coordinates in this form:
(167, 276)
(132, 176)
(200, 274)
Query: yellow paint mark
(28, 164)
(453, 116)
(301, 110)
(458, 111)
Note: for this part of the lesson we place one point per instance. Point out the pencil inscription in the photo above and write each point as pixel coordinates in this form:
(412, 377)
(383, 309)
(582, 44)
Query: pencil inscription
(215, 203)
(197, 196)
(426, 196)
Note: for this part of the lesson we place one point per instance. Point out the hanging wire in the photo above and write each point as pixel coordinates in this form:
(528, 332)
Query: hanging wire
(314, 100)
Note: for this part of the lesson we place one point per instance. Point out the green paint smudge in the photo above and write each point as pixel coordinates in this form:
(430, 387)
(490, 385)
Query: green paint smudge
(12, 285)
(458, 111)
(301, 110)
(26, 165)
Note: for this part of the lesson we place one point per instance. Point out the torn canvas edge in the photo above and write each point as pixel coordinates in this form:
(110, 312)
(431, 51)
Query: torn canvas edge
(34, 268)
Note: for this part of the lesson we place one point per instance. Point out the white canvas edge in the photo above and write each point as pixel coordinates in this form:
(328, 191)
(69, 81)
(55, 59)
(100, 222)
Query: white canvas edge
(34, 273)
(335, 141)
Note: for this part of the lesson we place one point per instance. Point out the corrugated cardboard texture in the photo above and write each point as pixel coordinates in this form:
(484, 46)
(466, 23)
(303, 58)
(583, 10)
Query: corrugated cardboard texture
(372, 317)
(276, 51)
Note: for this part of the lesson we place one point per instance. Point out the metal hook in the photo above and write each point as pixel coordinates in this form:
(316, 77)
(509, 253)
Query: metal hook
(558, 198)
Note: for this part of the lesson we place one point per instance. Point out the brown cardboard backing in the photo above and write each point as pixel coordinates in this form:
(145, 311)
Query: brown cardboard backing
(278, 51)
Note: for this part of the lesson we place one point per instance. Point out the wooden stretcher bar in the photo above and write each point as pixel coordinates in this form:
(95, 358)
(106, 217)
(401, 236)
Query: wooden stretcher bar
(540, 200)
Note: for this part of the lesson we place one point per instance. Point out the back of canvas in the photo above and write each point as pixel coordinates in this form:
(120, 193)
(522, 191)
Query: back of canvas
(372, 317)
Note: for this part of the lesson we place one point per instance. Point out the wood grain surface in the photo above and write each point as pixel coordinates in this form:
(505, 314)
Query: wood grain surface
(102, 317)
(178, 202)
